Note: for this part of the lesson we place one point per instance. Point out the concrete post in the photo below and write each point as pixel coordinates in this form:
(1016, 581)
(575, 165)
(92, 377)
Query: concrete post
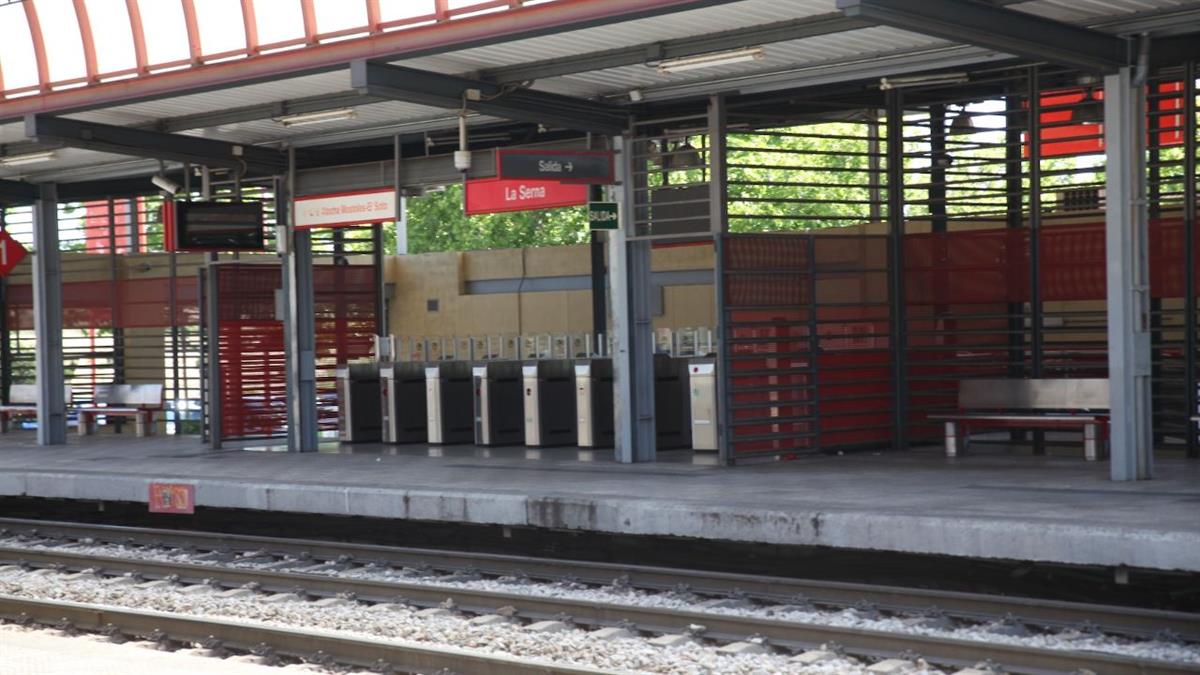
(48, 320)
(633, 337)
(1126, 242)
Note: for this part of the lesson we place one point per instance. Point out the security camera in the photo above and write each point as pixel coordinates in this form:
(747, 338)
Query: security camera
(166, 184)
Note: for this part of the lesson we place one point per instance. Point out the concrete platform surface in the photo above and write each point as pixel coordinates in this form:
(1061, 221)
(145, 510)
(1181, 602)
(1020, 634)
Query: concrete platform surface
(993, 504)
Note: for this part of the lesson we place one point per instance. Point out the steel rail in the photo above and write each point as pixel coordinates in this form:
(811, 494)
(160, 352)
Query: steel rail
(1122, 620)
(721, 627)
(401, 656)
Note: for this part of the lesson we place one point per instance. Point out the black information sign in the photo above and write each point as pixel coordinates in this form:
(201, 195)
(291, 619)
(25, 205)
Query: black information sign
(564, 166)
(219, 226)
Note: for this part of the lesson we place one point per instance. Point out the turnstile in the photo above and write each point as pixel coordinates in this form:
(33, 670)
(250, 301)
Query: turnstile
(402, 390)
(449, 407)
(549, 403)
(702, 383)
(672, 405)
(594, 403)
(358, 403)
(498, 408)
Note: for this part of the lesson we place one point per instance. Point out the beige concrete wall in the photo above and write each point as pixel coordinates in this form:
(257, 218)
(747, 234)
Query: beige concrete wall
(443, 277)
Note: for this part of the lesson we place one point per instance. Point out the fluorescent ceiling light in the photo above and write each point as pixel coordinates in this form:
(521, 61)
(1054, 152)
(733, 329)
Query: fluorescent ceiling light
(711, 60)
(922, 80)
(28, 158)
(300, 119)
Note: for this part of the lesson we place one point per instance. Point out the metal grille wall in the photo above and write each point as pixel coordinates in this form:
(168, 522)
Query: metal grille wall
(251, 364)
(993, 192)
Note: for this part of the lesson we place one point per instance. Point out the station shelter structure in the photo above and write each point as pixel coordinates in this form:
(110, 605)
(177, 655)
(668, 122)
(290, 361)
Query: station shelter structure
(900, 196)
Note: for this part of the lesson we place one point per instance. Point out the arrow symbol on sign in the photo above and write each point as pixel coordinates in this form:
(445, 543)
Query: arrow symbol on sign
(570, 167)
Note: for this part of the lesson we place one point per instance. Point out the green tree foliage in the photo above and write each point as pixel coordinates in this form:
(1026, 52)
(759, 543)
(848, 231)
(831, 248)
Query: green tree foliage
(436, 223)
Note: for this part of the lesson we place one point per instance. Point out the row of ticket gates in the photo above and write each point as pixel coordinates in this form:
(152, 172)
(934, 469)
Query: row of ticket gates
(542, 403)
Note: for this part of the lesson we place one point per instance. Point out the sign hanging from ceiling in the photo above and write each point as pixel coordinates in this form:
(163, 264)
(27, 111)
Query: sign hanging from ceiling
(341, 209)
(11, 254)
(498, 195)
(564, 166)
(214, 226)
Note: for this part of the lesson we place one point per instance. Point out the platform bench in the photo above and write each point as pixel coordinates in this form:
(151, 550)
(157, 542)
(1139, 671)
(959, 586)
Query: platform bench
(22, 402)
(1056, 403)
(139, 401)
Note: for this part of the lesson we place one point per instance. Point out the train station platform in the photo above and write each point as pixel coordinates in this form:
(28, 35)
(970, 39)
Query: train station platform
(995, 504)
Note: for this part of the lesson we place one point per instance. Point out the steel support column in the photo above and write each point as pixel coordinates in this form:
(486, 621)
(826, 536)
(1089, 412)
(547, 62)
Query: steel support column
(633, 341)
(1036, 320)
(1189, 255)
(1126, 243)
(896, 296)
(299, 324)
(5, 336)
(48, 319)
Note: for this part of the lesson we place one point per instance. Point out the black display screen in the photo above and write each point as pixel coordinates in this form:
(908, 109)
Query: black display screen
(219, 226)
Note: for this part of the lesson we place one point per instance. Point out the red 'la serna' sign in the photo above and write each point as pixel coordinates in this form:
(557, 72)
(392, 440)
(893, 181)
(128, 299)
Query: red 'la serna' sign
(497, 195)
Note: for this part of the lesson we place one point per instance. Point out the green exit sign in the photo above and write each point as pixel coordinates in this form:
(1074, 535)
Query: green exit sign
(603, 215)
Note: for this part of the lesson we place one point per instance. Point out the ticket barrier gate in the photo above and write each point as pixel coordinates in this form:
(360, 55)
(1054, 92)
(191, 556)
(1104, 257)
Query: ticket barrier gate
(594, 403)
(358, 403)
(448, 402)
(549, 403)
(402, 389)
(702, 385)
(672, 407)
(498, 410)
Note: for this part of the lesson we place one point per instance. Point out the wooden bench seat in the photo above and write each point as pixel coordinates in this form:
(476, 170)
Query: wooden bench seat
(1030, 404)
(139, 401)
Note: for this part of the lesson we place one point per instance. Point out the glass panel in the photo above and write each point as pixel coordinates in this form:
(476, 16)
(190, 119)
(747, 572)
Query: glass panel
(338, 15)
(60, 33)
(16, 48)
(166, 31)
(112, 35)
(396, 10)
(221, 26)
(278, 21)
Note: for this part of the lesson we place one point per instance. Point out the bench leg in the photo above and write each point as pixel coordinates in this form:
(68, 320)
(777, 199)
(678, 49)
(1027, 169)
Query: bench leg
(954, 446)
(3, 423)
(85, 423)
(141, 421)
(1091, 443)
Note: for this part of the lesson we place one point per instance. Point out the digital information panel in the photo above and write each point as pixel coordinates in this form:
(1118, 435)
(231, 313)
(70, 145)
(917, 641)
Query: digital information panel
(218, 226)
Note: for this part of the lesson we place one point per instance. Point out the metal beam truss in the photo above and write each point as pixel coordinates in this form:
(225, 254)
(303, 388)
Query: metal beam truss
(154, 145)
(998, 188)
(999, 28)
(513, 102)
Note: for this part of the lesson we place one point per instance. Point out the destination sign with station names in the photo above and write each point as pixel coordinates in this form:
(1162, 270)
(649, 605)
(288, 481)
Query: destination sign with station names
(565, 166)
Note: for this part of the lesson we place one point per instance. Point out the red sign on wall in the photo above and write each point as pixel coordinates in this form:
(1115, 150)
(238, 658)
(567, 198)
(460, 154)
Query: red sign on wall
(497, 195)
(11, 254)
(172, 498)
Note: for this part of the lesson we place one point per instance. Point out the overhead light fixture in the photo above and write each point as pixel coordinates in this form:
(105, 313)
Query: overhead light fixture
(963, 123)
(27, 158)
(319, 117)
(166, 184)
(886, 83)
(711, 60)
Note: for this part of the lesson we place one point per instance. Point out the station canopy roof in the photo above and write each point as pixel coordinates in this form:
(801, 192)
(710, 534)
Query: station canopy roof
(279, 73)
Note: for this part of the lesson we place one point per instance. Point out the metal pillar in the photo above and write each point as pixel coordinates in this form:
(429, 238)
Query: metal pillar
(633, 339)
(378, 261)
(896, 223)
(1126, 245)
(299, 328)
(48, 319)
(1189, 248)
(5, 338)
(938, 161)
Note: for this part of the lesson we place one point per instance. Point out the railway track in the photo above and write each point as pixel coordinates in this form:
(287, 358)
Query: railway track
(721, 608)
